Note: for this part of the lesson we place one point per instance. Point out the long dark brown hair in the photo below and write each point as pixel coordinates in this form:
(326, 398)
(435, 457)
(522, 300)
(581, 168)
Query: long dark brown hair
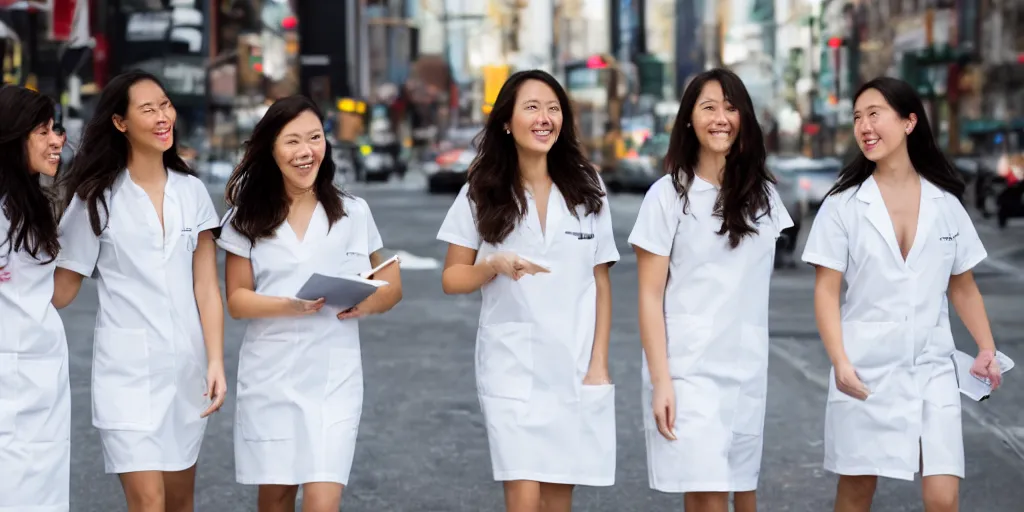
(925, 155)
(103, 153)
(495, 187)
(745, 193)
(26, 204)
(255, 189)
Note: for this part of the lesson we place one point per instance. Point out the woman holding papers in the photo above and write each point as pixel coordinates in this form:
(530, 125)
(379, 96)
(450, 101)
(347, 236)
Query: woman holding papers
(533, 232)
(138, 222)
(894, 228)
(705, 243)
(300, 379)
(35, 399)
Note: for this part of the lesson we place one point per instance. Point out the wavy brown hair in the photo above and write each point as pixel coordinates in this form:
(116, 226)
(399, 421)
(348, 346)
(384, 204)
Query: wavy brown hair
(495, 186)
(255, 190)
(26, 203)
(745, 193)
(103, 153)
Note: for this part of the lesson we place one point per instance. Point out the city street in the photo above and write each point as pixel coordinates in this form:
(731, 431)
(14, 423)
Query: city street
(422, 444)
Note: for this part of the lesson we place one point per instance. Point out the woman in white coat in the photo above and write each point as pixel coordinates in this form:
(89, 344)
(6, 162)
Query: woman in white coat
(542, 346)
(35, 398)
(138, 221)
(705, 242)
(894, 228)
(300, 378)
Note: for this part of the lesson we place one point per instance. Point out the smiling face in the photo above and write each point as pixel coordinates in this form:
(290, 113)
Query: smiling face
(715, 120)
(879, 128)
(536, 118)
(149, 120)
(43, 148)
(299, 149)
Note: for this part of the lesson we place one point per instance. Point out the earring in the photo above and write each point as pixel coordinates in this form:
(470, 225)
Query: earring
(507, 132)
(687, 125)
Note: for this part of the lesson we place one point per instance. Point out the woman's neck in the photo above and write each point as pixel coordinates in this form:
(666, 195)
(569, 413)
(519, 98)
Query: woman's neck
(895, 169)
(533, 169)
(298, 196)
(711, 166)
(146, 167)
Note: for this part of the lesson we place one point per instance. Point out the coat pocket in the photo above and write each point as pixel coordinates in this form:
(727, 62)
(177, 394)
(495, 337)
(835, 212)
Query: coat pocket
(9, 396)
(343, 399)
(504, 360)
(121, 380)
(597, 429)
(687, 336)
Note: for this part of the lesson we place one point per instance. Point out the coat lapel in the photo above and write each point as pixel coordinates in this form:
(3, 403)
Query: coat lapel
(878, 216)
(929, 210)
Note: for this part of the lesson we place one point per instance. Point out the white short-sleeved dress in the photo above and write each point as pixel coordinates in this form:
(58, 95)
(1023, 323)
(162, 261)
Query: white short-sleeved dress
(300, 379)
(149, 357)
(534, 343)
(716, 324)
(896, 333)
(35, 398)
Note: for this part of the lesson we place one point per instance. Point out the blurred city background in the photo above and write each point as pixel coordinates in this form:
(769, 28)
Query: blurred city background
(407, 84)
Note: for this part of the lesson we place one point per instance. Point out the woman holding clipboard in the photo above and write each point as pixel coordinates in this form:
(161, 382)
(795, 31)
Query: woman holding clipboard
(300, 380)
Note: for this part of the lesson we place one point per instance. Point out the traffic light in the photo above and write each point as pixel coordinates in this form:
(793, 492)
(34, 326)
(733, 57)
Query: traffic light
(835, 42)
(494, 78)
(596, 62)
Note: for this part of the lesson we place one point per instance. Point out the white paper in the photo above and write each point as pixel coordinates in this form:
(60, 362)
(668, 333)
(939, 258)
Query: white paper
(974, 388)
(339, 292)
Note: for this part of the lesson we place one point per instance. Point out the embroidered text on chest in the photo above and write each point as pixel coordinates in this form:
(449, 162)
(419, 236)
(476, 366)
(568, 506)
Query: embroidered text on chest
(579, 235)
(950, 238)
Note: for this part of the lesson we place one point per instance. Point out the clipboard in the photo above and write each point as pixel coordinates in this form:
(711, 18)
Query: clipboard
(344, 292)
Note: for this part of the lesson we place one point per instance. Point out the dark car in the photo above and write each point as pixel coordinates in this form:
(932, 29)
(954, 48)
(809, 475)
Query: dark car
(788, 184)
(448, 172)
(631, 174)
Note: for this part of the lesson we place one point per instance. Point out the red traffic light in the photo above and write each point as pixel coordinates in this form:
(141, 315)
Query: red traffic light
(289, 23)
(835, 42)
(596, 62)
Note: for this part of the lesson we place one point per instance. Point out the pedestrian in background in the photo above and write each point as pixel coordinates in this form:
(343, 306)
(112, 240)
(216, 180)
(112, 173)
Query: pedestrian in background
(705, 242)
(138, 221)
(300, 377)
(35, 398)
(894, 228)
(532, 231)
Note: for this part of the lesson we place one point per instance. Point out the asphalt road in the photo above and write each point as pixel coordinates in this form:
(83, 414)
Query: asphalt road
(422, 444)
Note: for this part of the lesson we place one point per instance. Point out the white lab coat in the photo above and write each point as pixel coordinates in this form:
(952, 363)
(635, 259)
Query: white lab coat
(716, 325)
(35, 400)
(149, 358)
(533, 347)
(300, 379)
(896, 333)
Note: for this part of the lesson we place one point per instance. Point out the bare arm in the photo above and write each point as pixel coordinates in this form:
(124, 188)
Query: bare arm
(827, 285)
(652, 271)
(243, 301)
(966, 299)
(461, 275)
(386, 297)
(66, 285)
(207, 291)
(603, 325)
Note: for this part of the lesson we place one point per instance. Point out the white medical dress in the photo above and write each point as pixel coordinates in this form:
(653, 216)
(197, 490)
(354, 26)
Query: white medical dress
(716, 325)
(300, 379)
(35, 398)
(149, 357)
(534, 343)
(896, 333)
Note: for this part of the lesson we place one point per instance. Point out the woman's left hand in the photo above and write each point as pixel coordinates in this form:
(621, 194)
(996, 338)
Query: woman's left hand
(987, 367)
(216, 388)
(597, 377)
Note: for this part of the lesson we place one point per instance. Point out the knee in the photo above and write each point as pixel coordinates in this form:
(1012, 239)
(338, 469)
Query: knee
(706, 500)
(276, 497)
(857, 489)
(180, 502)
(146, 500)
(941, 499)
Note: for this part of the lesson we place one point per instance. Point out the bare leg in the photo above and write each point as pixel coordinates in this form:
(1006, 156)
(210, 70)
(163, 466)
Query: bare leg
(745, 501)
(555, 497)
(855, 493)
(321, 496)
(143, 490)
(180, 490)
(706, 501)
(277, 498)
(941, 493)
(522, 496)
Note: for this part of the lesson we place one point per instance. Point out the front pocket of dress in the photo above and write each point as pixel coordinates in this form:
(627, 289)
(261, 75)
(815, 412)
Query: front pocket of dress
(343, 399)
(504, 360)
(688, 337)
(121, 380)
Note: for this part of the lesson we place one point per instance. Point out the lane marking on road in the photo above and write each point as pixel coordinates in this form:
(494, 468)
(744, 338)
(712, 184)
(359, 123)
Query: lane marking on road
(410, 261)
(1014, 271)
(787, 349)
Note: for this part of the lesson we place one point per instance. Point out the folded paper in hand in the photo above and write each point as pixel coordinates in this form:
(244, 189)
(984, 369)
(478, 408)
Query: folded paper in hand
(340, 292)
(974, 388)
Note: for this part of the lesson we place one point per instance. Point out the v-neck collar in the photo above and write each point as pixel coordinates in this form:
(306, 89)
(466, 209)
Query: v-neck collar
(313, 230)
(879, 217)
(170, 232)
(555, 211)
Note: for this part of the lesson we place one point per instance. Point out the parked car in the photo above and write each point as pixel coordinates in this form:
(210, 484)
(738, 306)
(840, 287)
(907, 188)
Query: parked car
(448, 172)
(814, 176)
(635, 174)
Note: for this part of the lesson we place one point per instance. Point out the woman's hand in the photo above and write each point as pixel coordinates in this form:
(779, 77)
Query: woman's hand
(506, 264)
(849, 383)
(301, 307)
(216, 388)
(986, 367)
(664, 404)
